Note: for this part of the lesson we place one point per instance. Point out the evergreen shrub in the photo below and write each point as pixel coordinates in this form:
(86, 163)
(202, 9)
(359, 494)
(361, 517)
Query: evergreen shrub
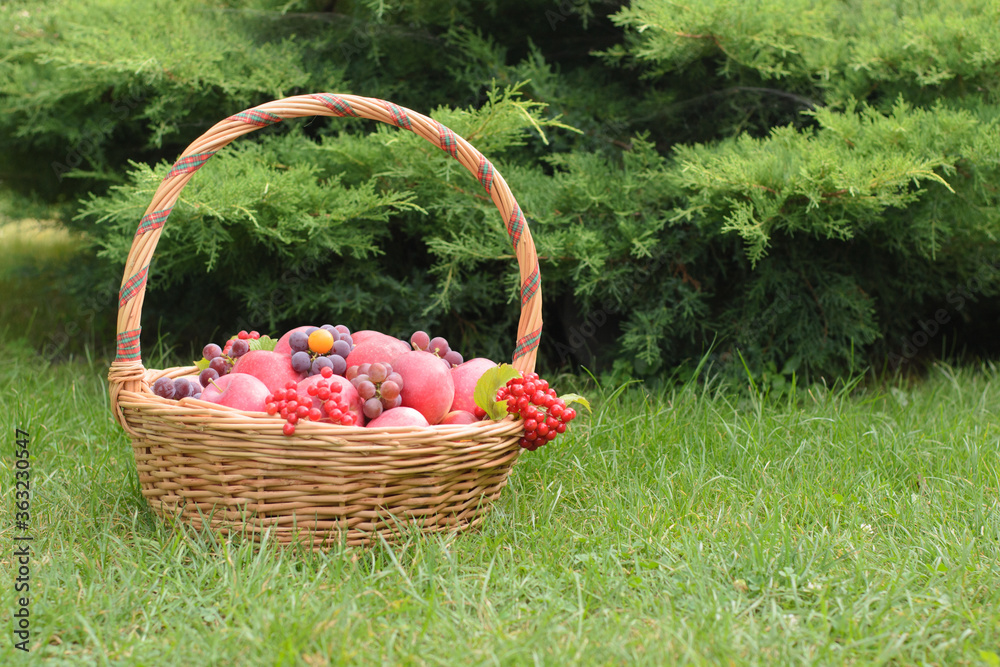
(805, 187)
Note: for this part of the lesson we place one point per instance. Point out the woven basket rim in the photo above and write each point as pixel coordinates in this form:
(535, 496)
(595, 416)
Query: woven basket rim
(194, 405)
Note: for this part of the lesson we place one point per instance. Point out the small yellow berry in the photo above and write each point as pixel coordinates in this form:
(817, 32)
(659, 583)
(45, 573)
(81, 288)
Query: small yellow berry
(321, 341)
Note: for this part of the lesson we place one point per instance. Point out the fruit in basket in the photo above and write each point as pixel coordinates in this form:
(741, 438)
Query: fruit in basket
(347, 395)
(272, 368)
(313, 348)
(459, 417)
(377, 347)
(545, 414)
(283, 347)
(465, 377)
(421, 340)
(237, 390)
(401, 416)
(427, 384)
(321, 341)
(177, 388)
(378, 385)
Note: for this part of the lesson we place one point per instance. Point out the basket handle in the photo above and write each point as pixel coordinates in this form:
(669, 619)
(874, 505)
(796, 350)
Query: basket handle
(127, 371)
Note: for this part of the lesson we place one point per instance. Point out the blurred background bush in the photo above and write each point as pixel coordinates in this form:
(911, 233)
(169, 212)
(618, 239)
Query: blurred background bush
(800, 186)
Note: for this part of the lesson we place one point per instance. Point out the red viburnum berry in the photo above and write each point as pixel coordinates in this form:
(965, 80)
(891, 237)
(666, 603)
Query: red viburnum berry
(545, 415)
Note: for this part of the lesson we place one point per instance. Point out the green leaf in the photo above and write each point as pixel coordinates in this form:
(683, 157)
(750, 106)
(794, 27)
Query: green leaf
(262, 343)
(486, 390)
(576, 398)
(202, 364)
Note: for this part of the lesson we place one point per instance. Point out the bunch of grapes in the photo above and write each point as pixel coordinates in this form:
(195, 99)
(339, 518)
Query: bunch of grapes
(177, 389)
(316, 348)
(324, 402)
(545, 414)
(221, 360)
(420, 340)
(378, 386)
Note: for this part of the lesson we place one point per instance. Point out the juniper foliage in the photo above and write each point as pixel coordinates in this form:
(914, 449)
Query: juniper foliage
(810, 186)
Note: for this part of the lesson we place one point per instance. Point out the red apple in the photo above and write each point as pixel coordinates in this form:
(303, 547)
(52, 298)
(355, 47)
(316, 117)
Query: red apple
(237, 390)
(459, 417)
(348, 394)
(272, 368)
(427, 384)
(402, 416)
(376, 347)
(465, 377)
(282, 346)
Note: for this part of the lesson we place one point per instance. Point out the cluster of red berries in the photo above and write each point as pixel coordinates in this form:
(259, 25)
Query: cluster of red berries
(241, 348)
(293, 406)
(545, 415)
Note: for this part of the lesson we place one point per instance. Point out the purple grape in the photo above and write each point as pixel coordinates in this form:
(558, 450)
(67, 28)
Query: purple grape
(299, 341)
(211, 351)
(372, 408)
(420, 340)
(378, 372)
(397, 378)
(339, 364)
(301, 362)
(164, 388)
(342, 329)
(439, 346)
(319, 363)
(342, 348)
(239, 348)
(220, 365)
(198, 395)
(207, 375)
(453, 358)
(347, 338)
(332, 329)
(389, 390)
(366, 389)
(182, 388)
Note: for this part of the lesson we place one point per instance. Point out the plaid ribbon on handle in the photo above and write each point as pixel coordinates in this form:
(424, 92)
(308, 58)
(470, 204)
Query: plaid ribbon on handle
(527, 343)
(447, 140)
(485, 173)
(515, 225)
(256, 117)
(399, 116)
(153, 220)
(128, 345)
(189, 163)
(530, 286)
(132, 285)
(336, 104)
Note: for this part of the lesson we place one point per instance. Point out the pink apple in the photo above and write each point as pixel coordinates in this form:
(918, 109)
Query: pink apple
(282, 346)
(272, 368)
(237, 390)
(361, 336)
(459, 417)
(376, 347)
(347, 391)
(427, 384)
(402, 416)
(465, 377)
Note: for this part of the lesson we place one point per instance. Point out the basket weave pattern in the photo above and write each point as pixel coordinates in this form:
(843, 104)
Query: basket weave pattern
(237, 472)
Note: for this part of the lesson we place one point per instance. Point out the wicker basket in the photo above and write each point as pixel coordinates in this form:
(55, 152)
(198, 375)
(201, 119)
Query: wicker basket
(236, 472)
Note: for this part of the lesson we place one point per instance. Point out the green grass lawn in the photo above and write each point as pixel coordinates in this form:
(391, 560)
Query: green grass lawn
(701, 526)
